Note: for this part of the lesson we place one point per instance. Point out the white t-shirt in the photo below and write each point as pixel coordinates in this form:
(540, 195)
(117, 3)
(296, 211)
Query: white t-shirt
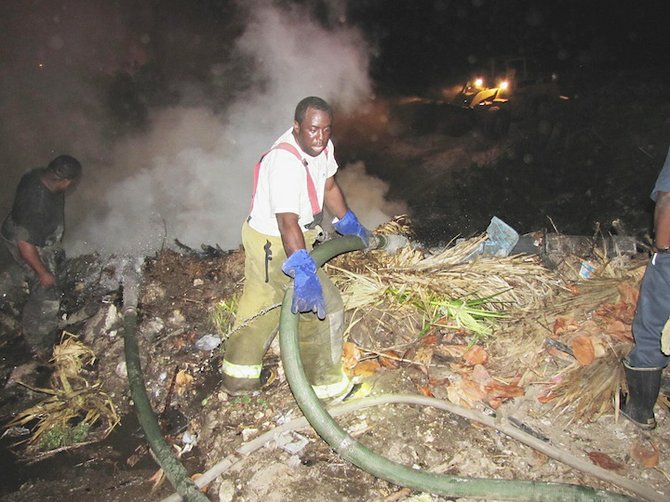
(282, 185)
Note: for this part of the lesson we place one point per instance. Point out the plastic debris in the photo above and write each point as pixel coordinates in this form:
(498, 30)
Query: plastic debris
(208, 342)
(501, 238)
(291, 442)
(587, 269)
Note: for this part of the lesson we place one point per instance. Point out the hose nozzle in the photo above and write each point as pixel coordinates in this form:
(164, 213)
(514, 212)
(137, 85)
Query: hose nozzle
(390, 243)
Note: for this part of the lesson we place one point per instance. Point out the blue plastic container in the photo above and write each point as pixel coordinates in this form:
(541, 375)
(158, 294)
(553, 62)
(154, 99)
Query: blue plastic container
(501, 238)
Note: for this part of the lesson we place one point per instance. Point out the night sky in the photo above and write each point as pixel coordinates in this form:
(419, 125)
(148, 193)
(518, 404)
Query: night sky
(122, 84)
(427, 41)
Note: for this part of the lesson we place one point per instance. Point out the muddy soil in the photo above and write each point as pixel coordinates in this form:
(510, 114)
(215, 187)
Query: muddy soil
(574, 170)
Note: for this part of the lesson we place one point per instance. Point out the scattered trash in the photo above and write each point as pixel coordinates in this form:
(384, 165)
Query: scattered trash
(15, 432)
(248, 433)
(499, 242)
(208, 342)
(605, 461)
(501, 238)
(587, 269)
(183, 382)
(291, 442)
(646, 454)
(189, 438)
(294, 461)
(358, 428)
(580, 245)
(152, 327)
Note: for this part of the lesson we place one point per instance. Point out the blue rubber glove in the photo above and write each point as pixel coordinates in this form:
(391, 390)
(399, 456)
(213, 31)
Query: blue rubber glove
(307, 292)
(349, 225)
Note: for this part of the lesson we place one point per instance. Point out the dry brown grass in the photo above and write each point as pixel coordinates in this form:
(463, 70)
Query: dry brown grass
(75, 411)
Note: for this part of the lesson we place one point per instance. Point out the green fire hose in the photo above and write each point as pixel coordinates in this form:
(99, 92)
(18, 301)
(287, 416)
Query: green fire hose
(379, 466)
(173, 468)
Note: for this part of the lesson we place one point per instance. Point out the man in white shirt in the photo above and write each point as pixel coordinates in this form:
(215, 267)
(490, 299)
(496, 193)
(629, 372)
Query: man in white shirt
(292, 183)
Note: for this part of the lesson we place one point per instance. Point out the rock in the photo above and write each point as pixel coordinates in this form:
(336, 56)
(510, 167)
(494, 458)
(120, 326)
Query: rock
(121, 370)
(104, 322)
(177, 319)
(226, 491)
(152, 327)
(153, 293)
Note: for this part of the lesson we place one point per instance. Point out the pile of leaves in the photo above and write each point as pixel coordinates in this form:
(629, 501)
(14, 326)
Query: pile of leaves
(483, 328)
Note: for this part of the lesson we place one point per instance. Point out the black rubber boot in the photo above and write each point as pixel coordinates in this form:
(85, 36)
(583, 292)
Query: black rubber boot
(643, 387)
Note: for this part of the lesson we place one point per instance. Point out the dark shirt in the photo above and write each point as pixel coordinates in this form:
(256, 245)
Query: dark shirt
(37, 215)
(663, 180)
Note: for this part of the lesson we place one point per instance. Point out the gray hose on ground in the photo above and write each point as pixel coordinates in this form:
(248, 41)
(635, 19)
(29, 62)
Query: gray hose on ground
(229, 461)
(174, 470)
(379, 466)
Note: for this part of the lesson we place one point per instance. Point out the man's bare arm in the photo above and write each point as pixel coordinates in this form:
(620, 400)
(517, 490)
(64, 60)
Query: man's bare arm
(291, 234)
(333, 198)
(662, 220)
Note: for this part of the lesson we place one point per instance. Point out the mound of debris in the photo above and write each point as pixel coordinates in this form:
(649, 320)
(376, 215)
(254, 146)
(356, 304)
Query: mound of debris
(530, 339)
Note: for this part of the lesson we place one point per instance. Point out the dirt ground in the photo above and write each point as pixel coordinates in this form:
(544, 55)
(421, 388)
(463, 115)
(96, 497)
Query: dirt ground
(180, 290)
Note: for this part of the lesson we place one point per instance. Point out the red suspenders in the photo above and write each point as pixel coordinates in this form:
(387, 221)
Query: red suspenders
(311, 189)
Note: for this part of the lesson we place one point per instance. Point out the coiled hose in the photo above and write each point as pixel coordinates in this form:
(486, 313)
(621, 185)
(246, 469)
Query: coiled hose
(379, 466)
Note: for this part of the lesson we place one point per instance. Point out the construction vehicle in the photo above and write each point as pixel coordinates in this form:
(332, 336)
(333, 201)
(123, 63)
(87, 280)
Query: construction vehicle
(510, 89)
(526, 88)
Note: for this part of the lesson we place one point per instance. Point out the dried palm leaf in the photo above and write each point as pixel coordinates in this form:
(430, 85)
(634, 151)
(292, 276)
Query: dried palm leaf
(587, 391)
(74, 404)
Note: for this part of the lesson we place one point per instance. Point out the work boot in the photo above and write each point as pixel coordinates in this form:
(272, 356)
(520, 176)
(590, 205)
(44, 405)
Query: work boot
(245, 386)
(643, 388)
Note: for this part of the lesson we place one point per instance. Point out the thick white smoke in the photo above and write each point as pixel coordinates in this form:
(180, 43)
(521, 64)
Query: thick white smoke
(188, 176)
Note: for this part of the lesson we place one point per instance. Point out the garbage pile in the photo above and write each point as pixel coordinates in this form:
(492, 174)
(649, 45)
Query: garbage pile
(499, 318)
(472, 312)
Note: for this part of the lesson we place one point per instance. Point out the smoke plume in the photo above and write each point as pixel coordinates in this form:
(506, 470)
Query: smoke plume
(181, 166)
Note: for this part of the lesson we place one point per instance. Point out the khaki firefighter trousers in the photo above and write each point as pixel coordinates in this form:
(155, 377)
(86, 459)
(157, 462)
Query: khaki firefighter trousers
(254, 329)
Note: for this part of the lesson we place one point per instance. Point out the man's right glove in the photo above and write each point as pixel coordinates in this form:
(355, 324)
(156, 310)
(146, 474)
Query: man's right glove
(307, 292)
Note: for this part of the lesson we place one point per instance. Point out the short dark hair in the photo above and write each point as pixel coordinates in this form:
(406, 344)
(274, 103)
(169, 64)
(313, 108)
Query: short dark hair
(65, 167)
(311, 102)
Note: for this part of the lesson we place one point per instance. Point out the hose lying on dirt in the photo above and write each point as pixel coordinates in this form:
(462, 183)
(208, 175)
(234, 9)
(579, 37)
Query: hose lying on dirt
(246, 449)
(174, 470)
(379, 466)
(369, 461)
